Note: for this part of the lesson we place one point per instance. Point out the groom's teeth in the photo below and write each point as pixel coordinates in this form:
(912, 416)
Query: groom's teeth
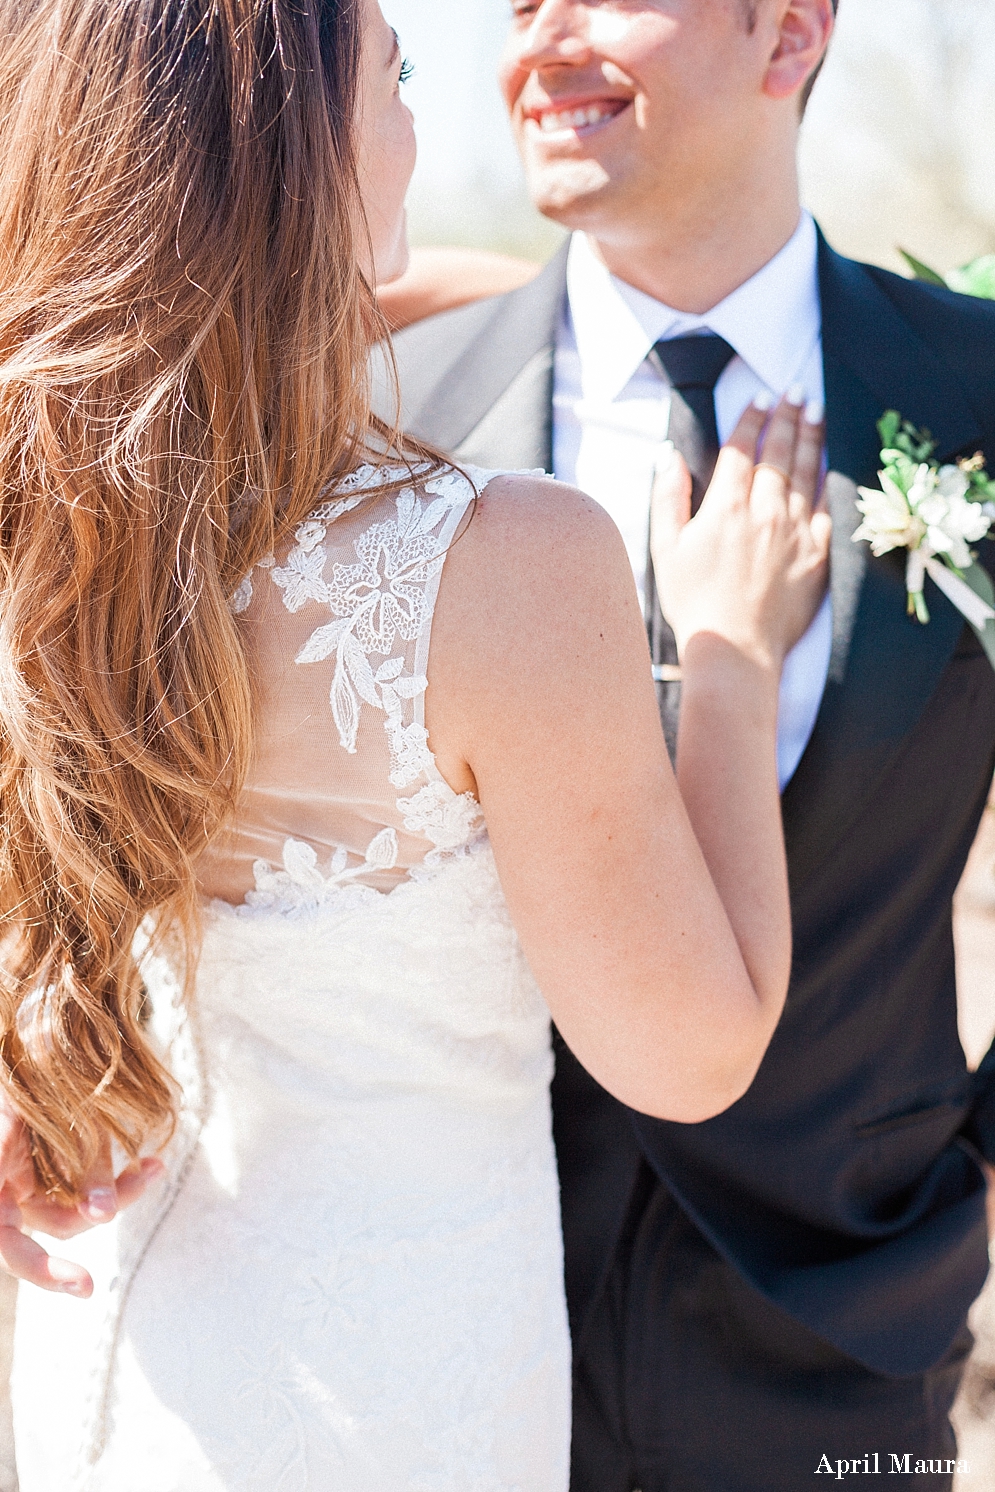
(574, 119)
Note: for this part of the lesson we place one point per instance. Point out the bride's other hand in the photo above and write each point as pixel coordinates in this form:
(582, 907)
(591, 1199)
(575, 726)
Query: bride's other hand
(24, 1208)
(751, 567)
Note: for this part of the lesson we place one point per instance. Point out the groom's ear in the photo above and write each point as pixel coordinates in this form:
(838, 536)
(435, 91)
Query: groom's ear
(802, 32)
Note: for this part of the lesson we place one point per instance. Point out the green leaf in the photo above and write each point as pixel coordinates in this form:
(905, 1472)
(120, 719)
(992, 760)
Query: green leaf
(888, 427)
(978, 578)
(976, 278)
(918, 445)
(922, 271)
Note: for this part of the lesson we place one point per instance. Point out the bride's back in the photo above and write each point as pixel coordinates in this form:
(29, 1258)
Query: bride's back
(343, 789)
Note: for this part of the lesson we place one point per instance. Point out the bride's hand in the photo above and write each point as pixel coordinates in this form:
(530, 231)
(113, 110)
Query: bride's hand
(751, 567)
(25, 1208)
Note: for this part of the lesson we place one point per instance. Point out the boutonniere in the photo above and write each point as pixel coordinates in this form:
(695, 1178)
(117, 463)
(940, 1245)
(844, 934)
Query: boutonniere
(935, 512)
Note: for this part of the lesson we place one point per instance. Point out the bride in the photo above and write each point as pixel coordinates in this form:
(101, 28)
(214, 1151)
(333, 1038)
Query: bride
(319, 759)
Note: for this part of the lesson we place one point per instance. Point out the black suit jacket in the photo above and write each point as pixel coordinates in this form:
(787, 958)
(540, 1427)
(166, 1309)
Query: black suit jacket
(845, 1184)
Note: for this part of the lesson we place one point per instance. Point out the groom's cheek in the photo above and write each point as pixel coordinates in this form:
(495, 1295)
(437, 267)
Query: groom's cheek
(511, 77)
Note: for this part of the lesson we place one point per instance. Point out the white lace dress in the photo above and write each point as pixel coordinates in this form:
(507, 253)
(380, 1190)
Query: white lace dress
(351, 1278)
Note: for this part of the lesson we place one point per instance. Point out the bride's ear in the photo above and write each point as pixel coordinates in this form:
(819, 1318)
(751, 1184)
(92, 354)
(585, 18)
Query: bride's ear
(803, 34)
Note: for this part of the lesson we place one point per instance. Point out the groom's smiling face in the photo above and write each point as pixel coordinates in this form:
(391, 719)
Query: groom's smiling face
(623, 108)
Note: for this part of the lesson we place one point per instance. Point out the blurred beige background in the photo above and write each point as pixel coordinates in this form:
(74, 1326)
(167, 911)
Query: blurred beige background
(898, 149)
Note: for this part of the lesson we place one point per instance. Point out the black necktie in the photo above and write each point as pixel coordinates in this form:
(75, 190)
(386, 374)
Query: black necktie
(694, 366)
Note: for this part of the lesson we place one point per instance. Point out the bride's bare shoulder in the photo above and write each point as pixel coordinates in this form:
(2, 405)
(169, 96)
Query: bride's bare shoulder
(536, 557)
(541, 523)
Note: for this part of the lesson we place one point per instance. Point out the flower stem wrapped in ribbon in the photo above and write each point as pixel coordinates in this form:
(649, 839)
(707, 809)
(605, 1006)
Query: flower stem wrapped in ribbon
(936, 513)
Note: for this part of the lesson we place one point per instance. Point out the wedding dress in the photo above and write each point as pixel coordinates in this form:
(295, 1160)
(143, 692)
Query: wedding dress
(350, 1279)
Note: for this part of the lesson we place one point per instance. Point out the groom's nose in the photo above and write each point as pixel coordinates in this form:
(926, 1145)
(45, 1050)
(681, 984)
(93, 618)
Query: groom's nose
(556, 34)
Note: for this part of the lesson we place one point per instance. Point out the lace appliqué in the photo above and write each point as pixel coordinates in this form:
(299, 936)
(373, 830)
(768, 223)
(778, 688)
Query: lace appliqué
(382, 597)
(242, 599)
(385, 598)
(452, 822)
(301, 887)
(358, 483)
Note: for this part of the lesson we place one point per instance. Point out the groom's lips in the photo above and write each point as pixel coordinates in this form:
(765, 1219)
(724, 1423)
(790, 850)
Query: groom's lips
(578, 116)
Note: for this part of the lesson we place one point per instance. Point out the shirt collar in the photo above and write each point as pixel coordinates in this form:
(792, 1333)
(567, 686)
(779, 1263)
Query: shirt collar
(616, 326)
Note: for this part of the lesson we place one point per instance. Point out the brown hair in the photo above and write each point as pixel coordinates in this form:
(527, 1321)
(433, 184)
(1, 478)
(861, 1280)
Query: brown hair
(183, 342)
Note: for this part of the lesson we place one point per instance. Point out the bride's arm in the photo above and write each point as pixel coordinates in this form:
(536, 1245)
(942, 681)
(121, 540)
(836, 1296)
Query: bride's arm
(659, 933)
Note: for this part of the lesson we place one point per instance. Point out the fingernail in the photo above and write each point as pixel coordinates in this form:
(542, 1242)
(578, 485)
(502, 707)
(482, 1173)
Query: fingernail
(101, 1203)
(665, 456)
(764, 401)
(815, 412)
(796, 395)
(66, 1276)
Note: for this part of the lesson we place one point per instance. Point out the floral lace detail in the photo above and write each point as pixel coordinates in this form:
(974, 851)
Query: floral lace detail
(300, 887)
(452, 822)
(359, 483)
(383, 597)
(381, 607)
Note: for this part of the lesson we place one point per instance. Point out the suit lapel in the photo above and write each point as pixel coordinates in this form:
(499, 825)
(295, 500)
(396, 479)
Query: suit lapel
(496, 410)
(884, 665)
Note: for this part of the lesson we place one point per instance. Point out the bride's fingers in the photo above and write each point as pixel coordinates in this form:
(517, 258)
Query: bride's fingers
(62, 1220)
(734, 471)
(776, 457)
(821, 526)
(670, 506)
(22, 1257)
(807, 469)
(28, 1261)
(99, 1194)
(745, 439)
(133, 1181)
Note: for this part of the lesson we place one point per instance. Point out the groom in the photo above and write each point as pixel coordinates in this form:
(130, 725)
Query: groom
(781, 1292)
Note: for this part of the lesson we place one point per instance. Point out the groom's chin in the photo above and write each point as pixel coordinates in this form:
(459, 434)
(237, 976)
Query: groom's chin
(573, 193)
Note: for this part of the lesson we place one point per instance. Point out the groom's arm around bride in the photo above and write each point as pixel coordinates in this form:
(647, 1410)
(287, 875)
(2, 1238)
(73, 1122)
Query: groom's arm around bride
(793, 1277)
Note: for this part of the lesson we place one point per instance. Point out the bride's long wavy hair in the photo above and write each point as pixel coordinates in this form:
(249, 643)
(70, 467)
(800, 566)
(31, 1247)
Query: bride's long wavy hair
(184, 332)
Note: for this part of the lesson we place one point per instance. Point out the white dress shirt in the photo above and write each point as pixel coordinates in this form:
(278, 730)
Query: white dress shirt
(611, 410)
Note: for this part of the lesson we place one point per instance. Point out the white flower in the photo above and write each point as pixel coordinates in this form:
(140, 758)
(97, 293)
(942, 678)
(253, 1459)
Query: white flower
(888, 522)
(952, 522)
(952, 482)
(386, 592)
(936, 516)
